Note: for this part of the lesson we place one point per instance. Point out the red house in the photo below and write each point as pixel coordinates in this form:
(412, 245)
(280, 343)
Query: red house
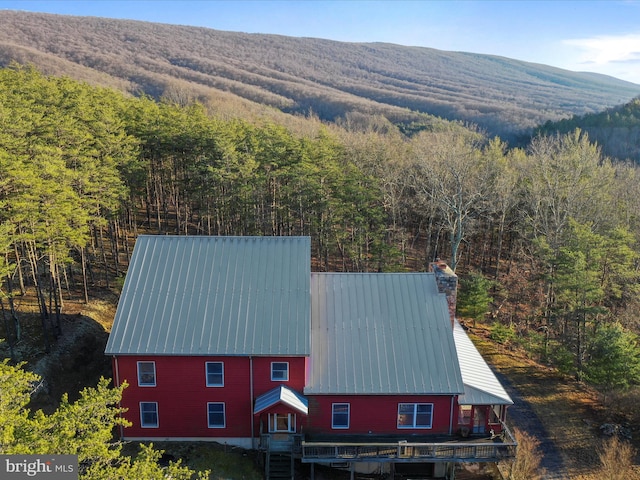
(235, 340)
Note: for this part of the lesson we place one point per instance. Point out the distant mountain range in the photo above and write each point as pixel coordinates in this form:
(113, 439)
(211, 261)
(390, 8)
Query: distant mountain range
(505, 97)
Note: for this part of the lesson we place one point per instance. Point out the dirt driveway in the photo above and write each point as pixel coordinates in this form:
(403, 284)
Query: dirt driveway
(522, 416)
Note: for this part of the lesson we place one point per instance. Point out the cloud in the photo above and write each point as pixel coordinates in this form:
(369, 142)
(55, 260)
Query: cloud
(605, 49)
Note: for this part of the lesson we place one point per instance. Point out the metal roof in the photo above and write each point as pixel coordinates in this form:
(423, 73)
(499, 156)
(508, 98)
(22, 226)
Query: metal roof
(381, 333)
(481, 386)
(281, 394)
(195, 295)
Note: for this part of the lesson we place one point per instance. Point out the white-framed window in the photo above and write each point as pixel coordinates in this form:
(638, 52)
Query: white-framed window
(146, 374)
(279, 371)
(215, 415)
(282, 422)
(215, 374)
(149, 414)
(340, 415)
(415, 415)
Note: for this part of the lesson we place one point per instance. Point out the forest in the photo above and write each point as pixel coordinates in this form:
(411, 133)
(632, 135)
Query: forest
(553, 229)
(616, 129)
(503, 96)
(546, 236)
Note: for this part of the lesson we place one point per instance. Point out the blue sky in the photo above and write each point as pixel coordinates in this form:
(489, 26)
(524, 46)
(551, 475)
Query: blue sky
(581, 35)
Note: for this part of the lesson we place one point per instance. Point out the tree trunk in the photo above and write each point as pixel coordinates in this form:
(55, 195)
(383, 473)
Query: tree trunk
(8, 335)
(85, 287)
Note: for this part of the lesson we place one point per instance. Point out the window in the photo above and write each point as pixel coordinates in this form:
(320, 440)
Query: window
(415, 415)
(282, 422)
(215, 415)
(149, 414)
(146, 374)
(340, 415)
(215, 374)
(280, 371)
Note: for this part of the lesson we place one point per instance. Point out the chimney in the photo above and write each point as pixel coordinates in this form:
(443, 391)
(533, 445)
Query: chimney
(447, 282)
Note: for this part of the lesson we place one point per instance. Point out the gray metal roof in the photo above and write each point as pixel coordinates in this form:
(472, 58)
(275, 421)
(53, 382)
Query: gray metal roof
(281, 394)
(381, 333)
(481, 386)
(194, 295)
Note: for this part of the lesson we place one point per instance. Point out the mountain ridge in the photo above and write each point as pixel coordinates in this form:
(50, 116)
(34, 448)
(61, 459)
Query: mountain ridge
(296, 75)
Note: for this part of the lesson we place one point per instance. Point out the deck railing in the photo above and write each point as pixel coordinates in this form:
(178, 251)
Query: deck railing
(488, 449)
(479, 449)
(285, 443)
(406, 452)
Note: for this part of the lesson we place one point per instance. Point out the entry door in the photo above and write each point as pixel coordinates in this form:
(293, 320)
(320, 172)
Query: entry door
(282, 422)
(479, 419)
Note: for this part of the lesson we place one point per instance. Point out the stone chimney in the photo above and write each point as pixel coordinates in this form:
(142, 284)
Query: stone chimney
(447, 282)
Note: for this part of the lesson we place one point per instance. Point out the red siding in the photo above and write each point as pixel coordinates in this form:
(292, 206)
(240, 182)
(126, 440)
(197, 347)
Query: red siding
(377, 414)
(182, 394)
(262, 374)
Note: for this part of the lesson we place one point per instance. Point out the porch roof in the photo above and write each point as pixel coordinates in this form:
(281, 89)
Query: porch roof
(481, 386)
(281, 394)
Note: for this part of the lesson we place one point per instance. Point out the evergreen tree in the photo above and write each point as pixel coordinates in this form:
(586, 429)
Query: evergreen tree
(473, 298)
(613, 358)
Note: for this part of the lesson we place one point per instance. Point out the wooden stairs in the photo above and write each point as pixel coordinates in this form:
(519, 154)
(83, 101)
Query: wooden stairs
(279, 466)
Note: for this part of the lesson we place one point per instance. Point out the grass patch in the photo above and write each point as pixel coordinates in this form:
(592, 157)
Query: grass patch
(224, 462)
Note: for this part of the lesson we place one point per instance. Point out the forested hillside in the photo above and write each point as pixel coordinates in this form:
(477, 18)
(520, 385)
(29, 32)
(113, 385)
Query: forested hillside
(616, 129)
(83, 170)
(239, 73)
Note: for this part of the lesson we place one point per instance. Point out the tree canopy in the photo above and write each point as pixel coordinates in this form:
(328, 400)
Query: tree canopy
(83, 170)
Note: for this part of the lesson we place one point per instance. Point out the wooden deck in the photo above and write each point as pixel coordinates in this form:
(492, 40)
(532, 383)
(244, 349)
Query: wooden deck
(407, 452)
(395, 449)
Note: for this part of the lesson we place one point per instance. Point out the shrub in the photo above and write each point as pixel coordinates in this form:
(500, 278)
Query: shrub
(502, 334)
(616, 457)
(526, 465)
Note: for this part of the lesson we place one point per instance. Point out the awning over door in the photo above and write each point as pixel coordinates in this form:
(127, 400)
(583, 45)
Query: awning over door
(281, 395)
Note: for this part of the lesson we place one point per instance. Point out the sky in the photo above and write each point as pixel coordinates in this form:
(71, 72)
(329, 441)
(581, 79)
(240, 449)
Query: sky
(601, 36)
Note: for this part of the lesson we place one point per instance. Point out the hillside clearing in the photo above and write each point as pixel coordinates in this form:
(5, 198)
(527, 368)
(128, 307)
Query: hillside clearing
(568, 414)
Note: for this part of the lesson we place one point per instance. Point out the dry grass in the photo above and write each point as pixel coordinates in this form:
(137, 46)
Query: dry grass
(570, 411)
(527, 463)
(102, 311)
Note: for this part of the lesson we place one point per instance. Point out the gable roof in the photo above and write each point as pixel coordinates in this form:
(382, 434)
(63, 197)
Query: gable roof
(381, 333)
(194, 295)
(481, 387)
(284, 395)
